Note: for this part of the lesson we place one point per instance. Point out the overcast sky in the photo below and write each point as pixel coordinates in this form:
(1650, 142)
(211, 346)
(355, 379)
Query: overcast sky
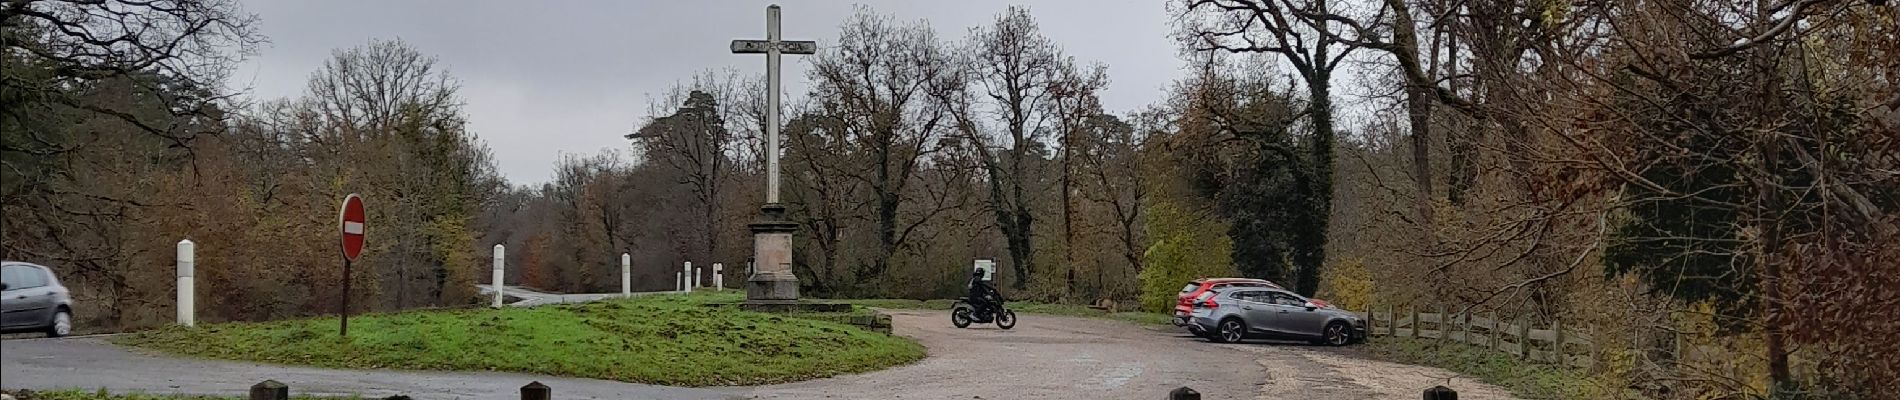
(545, 77)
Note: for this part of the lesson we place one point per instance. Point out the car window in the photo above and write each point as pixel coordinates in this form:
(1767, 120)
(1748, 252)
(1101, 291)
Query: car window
(19, 277)
(1248, 295)
(35, 277)
(24, 277)
(1190, 287)
(1287, 300)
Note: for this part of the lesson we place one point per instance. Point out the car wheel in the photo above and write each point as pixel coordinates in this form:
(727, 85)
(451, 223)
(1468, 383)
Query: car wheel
(1337, 334)
(61, 325)
(1231, 330)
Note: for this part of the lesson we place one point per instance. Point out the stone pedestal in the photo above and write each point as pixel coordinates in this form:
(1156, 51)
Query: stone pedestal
(772, 279)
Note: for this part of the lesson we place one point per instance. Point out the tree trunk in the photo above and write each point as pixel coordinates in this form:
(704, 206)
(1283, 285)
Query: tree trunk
(1309, 254)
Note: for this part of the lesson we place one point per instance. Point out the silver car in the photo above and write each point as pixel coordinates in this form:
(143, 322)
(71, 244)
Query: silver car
(1237, 314)
(31, 299)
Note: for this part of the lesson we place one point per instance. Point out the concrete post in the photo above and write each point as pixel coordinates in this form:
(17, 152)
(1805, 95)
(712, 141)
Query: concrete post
(687, 273)
(500, 254)
(626, 274)
(270, 390)
(187, 304)
(536, 391)
(719, 276)
(679, 283)
(699, 277)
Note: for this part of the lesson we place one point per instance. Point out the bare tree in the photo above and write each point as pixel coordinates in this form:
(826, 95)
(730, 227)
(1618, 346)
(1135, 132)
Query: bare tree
(1009, 74)
(873, 86)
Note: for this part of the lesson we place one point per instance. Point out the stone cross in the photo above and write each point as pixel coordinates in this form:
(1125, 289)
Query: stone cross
(772, 47)
(772, 280)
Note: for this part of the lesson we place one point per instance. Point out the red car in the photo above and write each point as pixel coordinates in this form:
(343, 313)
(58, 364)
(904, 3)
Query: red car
(1184, 304)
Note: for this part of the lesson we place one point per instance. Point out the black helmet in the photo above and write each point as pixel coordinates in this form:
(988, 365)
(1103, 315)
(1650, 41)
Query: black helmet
(978, 273)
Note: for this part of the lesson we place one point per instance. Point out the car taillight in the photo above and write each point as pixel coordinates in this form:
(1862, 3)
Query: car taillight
(1210, 303)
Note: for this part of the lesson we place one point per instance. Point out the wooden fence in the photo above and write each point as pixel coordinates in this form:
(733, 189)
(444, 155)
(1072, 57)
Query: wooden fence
(1511, 334)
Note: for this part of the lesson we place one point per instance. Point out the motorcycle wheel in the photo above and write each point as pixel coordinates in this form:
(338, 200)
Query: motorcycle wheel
(960, 316)
(1006, 319)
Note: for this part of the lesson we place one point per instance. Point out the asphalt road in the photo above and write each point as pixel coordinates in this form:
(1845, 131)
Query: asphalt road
(1045, 357)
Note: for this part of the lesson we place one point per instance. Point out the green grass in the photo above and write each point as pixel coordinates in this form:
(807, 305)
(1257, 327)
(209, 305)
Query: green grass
(667, 340)
(1523, 378)
(103, 395)
(1024, 307)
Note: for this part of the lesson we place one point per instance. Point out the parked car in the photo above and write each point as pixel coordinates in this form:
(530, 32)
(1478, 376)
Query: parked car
(1184, 303)
(1238, 314)
(31, 299)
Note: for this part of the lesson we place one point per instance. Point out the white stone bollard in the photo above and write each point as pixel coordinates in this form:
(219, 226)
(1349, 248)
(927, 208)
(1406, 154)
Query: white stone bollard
(699, 278)
(500, 254)
(687, 274)
(187, 305)
(679, 283)
(719, 276)
(626, 274)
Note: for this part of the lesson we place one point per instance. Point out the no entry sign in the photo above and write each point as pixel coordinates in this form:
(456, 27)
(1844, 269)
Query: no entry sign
(352, 221)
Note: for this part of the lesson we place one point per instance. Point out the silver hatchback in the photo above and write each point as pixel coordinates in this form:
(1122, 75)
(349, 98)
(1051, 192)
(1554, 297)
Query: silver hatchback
(31, 299)
(1237, 314)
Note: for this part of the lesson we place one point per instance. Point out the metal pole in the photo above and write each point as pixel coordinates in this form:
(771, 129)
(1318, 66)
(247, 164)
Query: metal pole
(719, 276)
(187, 306)
(343, 329)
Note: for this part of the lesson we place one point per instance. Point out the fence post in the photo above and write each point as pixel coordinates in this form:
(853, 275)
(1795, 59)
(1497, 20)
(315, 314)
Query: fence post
(1441, 393)
(1524, 335)
(1557, 341)
(719, 276)
(679, 282)
(1416, 322)
(1464, 327)
(1496, 331)
(626, 275)
(1392, 329)
(687, 274)
(270, 390)
(1372, 320)
(1184, 393)
(500, 254)
(187, 304)
(536, 391)
(1444, 324)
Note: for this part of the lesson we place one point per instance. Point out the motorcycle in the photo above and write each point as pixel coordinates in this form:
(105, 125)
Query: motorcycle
(962, 314)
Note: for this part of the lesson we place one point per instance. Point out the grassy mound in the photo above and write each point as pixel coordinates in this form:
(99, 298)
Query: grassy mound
(667, 340)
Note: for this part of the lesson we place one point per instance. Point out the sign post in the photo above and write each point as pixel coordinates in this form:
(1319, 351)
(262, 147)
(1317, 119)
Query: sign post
(351, 219)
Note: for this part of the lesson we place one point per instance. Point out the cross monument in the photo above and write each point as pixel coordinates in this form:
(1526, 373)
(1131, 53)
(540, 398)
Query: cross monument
(772, 278)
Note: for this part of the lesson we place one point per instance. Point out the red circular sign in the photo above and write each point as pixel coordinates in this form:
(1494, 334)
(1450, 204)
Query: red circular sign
(352, 224)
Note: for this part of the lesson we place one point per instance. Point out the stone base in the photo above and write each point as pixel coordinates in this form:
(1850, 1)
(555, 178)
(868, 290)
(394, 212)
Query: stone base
(768, 286)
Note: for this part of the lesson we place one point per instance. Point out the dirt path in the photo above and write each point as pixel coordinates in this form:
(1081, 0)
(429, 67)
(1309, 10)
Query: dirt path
(1045, 357)
(1049, 357)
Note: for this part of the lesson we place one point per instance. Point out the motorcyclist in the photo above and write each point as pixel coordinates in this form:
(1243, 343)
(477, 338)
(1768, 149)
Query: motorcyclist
(982, 296)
